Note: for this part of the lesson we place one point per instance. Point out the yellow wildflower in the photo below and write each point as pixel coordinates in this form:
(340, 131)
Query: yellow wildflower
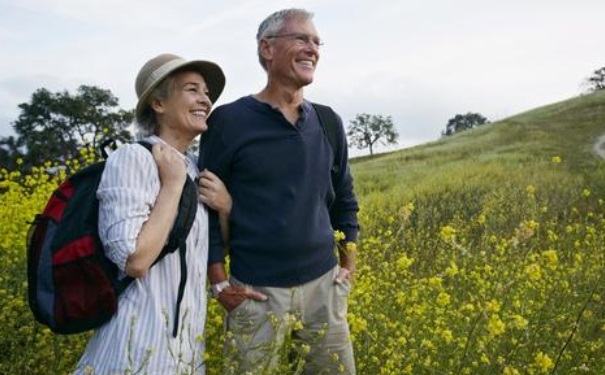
(534, 272)
(443, 299)
(448, 233)
(338, 236)
(543, 362)
(452, 270)
(510, 371)
(492, 306)
(495, 325)
(550, 258)
(519, 322)
(403, 263)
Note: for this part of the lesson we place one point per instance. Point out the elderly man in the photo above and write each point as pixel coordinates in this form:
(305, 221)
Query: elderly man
(272, 154)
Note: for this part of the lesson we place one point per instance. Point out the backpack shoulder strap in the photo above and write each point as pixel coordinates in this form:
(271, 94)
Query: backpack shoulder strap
(185, 216)
(328, 121)
(177, 239)
(329, 124)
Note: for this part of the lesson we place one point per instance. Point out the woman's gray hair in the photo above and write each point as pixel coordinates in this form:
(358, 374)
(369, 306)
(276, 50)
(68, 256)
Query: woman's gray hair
(148, 124)
(273, 24)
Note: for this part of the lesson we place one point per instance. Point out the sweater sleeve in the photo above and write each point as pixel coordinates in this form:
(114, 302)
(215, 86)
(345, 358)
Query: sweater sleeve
(343, 212)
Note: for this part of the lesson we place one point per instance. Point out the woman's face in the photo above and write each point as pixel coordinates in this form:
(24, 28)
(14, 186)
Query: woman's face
(187, 106)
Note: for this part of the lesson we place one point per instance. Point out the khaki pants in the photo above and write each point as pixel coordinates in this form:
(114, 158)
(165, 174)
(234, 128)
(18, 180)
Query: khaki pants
(300, 330)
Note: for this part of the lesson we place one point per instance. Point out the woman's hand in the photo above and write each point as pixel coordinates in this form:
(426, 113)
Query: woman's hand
(213, 193)
(171, 166)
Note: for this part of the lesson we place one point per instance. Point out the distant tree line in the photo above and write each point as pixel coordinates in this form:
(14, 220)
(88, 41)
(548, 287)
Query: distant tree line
(55, 126)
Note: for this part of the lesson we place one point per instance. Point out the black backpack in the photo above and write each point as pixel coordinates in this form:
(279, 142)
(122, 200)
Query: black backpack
(72, 286)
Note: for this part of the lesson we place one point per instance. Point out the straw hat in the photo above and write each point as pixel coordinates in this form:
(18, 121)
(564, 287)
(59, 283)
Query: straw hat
(160, 67)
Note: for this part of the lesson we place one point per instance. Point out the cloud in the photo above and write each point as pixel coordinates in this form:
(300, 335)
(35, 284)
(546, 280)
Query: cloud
(19, 89)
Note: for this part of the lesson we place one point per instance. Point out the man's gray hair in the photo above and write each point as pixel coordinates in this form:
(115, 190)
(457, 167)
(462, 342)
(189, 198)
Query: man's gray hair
(273, 24)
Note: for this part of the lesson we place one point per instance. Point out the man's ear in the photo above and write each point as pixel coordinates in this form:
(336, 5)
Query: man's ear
(266, 49)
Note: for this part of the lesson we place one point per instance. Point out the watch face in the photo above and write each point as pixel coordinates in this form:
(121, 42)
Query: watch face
(216, 289)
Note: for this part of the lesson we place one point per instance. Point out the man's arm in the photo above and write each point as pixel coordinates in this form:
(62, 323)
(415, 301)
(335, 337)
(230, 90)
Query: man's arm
(343, 212)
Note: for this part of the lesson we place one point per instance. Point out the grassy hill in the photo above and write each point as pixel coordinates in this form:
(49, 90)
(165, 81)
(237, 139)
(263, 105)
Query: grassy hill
(567, 129)
(505, 223)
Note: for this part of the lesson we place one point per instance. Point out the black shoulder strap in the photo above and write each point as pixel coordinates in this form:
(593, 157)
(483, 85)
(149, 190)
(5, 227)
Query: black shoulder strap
(178, 239)
(185, 216)
(178, 235)
(329, 124)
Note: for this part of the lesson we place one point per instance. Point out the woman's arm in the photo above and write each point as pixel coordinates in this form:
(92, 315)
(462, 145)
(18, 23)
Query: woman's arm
(155, 231)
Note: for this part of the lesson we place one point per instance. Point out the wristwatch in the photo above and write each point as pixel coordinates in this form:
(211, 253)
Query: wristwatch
(217, 288)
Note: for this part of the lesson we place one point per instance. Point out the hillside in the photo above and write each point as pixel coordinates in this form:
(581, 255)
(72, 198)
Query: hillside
(483, 252)
(568, 129)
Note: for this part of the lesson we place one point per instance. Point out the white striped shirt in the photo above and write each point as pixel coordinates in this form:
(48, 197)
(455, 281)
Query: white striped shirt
(140, 334)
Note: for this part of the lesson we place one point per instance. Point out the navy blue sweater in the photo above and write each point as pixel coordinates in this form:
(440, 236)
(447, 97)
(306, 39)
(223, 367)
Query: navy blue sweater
(285, 207)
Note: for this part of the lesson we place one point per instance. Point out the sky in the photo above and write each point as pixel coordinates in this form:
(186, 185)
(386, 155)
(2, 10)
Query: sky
(420, 62)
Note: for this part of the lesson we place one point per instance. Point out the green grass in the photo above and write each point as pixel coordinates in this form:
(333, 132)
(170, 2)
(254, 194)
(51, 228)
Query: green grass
(567, 129)
(504, 175)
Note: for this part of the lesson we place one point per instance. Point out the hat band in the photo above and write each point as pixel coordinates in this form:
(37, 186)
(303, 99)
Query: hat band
(161, 72)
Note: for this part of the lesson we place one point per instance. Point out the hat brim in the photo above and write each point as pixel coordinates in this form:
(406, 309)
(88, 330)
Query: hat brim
(212, 73)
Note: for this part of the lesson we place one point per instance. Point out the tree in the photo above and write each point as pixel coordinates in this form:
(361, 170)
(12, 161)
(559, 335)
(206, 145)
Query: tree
(9, 153)
(464, 122)
(596, 82)
(54, 126)
(366, 130)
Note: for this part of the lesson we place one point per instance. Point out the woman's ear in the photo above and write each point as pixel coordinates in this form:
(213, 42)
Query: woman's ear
(157, 105)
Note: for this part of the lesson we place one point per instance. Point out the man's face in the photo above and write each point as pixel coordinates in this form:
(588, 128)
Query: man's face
(294, 53)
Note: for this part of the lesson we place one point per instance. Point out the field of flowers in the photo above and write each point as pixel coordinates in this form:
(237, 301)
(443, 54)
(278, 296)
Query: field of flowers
(472, 259)
(477, 278)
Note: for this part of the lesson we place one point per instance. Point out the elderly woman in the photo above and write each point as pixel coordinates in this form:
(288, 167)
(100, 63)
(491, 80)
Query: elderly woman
(139, 197)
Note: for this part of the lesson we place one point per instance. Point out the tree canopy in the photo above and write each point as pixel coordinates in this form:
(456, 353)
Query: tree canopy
(464, 122)
(54, 126)
(366, 130)
(596, 82)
